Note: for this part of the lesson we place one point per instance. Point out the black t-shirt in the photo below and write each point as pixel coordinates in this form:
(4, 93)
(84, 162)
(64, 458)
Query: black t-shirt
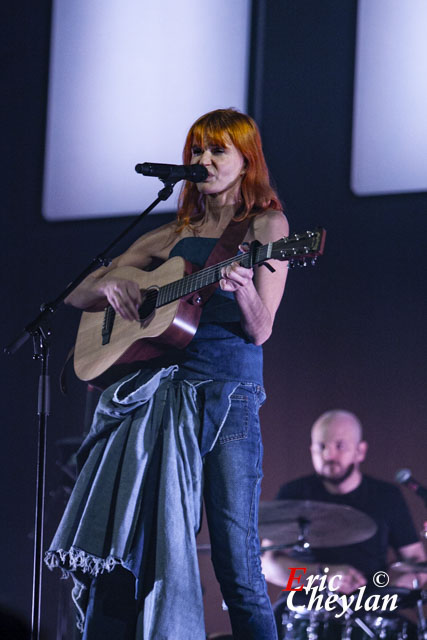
(381, 500)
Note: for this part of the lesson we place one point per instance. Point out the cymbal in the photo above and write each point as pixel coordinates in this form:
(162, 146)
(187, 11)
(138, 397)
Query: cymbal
(325, 524)
(409, 566)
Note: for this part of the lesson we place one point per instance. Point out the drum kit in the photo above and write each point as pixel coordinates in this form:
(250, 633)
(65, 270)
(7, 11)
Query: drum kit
(299, 525)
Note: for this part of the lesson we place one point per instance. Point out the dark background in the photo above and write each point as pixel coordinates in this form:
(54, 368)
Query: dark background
(349, 333)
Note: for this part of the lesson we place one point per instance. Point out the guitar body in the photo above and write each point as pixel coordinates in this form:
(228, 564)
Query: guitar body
(132, 342)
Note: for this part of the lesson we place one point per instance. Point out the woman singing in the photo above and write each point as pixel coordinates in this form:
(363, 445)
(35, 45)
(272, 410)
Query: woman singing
(185, 427)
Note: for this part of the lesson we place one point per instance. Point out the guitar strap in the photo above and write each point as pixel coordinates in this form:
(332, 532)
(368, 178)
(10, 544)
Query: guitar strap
(226, 247)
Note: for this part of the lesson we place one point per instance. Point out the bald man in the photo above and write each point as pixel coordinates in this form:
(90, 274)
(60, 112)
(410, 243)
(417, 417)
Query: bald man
(337, 450)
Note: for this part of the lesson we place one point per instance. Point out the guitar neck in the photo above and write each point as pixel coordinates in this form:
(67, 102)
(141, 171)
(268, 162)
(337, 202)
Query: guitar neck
(195, 281)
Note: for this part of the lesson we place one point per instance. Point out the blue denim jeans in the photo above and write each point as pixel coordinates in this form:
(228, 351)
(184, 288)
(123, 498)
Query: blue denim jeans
(233, 472)
(232, 476)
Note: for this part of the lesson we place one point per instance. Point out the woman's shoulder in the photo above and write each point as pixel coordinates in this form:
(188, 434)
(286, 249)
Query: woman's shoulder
(269, 225)
(156, 243)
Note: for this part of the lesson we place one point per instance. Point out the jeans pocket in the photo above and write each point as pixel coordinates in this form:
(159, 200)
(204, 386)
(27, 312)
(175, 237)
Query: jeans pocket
(237, 422)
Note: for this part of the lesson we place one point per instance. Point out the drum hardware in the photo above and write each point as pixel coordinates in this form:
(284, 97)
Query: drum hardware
(382, 627)
(300, 524)
(314, 627)
(348, 628)
(407, 599)
(302, 624)
(422, 627)
(404, 633)
(419, 596)
(352, 616)
(318, 625)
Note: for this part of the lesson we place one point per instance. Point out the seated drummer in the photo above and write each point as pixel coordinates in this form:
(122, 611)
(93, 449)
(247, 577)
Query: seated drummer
(337, 449)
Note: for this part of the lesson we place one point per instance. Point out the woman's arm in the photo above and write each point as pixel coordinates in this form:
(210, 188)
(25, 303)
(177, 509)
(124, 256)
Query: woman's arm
(123, 295)
(259, 297)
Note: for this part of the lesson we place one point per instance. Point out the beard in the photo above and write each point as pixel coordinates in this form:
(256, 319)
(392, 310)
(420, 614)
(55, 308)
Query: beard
(337, 480)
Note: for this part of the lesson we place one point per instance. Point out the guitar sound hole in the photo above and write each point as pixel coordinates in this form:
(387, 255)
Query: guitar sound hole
(148, 305)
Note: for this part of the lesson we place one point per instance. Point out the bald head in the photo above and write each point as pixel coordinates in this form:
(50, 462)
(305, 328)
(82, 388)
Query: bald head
(338, 421)
(337, 449)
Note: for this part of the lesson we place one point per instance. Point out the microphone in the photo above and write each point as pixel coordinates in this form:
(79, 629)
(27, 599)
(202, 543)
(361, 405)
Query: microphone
(404, 476)
(175, 172)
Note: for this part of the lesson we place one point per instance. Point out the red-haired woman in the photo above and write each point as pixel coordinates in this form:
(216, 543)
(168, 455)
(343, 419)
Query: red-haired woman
(184, 427)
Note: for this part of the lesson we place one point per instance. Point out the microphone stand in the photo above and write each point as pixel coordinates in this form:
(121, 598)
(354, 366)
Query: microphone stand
(39, 329)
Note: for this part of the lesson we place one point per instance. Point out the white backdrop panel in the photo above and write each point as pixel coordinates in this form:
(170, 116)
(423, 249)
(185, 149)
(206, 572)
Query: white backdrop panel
(390, 98)
(127, 79)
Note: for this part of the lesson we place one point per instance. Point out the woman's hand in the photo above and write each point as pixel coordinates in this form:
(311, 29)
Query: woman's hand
(234, 276)
(123, 295)
(258, 292)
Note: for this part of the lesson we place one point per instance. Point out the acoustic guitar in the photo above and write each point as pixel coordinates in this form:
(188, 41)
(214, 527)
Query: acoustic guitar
(170, 309)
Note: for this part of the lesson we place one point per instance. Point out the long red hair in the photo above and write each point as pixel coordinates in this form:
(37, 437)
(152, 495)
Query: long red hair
(219, 127)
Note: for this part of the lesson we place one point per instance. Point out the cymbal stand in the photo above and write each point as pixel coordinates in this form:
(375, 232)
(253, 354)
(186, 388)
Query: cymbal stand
(301, 543)
(304, 526)
(421, 625)
(351, 614)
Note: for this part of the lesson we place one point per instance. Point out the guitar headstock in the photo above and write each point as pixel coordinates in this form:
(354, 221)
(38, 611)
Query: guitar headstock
(299, 248)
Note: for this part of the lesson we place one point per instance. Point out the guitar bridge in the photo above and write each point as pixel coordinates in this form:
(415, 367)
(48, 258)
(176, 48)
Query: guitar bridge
(107, 325)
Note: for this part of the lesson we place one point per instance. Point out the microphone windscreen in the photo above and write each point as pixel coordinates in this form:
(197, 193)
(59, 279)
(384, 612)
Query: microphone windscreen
(197, 173)
(403, 475)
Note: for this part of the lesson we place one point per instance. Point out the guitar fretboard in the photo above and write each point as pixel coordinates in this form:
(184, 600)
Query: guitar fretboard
(195, 281)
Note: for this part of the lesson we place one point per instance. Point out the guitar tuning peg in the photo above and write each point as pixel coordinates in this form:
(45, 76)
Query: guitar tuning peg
(291, 264)
(302, 262)
(313, 261)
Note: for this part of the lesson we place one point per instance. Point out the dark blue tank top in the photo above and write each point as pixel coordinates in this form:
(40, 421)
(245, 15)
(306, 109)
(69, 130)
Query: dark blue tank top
(220, 349)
